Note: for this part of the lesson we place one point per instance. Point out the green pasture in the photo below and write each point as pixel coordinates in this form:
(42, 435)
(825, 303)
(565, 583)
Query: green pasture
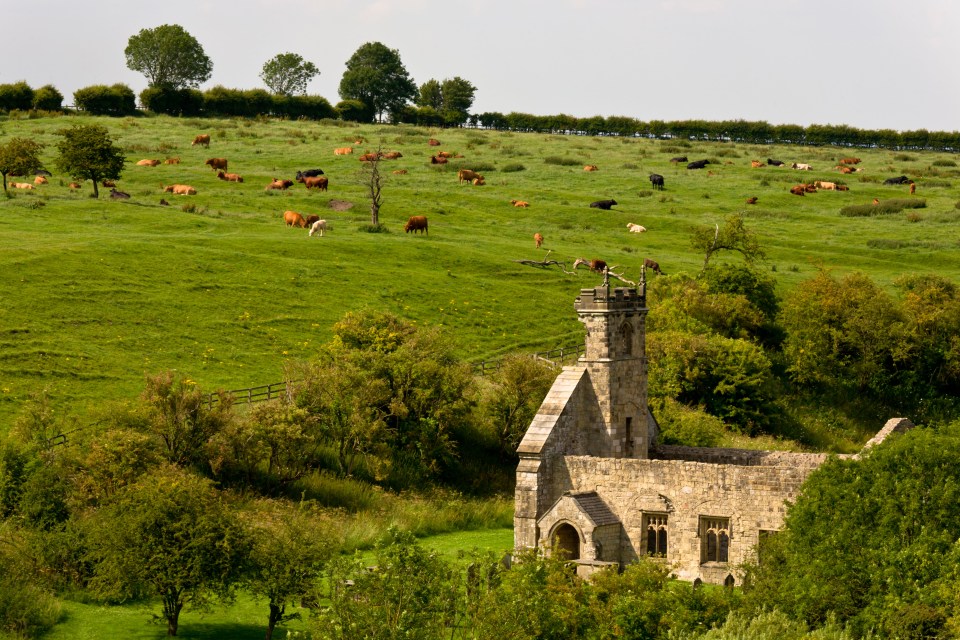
(96, 293)
(243, 619)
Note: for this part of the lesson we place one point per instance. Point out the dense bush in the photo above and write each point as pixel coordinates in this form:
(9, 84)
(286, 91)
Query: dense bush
(944, 163)
(565, 162)
(872, 542)
(513, 167)
(354, 111)
(174, 102)
(305, 107)
(101, 100)
(894, 205)
(48, 98)
(18, 95)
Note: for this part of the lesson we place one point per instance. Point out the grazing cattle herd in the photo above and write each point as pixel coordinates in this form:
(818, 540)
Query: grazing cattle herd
(314, 179)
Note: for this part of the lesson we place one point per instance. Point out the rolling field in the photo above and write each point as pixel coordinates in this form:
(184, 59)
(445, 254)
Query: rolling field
(96, 293)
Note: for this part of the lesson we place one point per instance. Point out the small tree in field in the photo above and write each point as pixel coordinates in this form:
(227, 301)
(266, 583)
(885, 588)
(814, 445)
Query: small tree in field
(734, 236)
(19, 156)
(169, 57)
(171, 536)
(88, 153)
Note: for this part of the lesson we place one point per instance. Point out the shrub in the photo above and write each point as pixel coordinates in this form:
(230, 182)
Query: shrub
(565, 162)
(683, 425)
(101, 100)
(308, 107)
(513, 167)
(944, 163)
(374, 228)
(18, 95)
(646, 193)
(903, 157)
(894, 205)
(354, 111)
(174, 102)
(48, 98)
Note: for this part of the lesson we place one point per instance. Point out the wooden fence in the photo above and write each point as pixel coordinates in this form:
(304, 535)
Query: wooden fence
(559, 356)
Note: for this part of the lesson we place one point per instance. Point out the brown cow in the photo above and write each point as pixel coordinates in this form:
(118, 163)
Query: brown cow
(444, 154)
(279, 184)
(74, 185)
(392, 155)
(826, 186)
(43, 180)
(478, 182)
(399, 172)
(294, 219)
(849, 160)
(147, 163)
(217, 163)
(468, 175)
(845, 169)
(21, 185)
(653, 266)
(595, 265)
(416, 223)
(343, 151)
(310, 219)
(590, 167)
(433, 142)
(520, 203)
(202, 139)
(752, 200)
(316, 182)
(108, 183)
(537, 239)
(181, 190)
(172, 160)
(436, 160)
(229, 177)
(842, 187)
(756, 164)
(799, 190)
(913, 188)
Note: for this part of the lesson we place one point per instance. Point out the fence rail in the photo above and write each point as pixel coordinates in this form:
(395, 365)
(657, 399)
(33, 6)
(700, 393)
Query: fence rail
(264, 392)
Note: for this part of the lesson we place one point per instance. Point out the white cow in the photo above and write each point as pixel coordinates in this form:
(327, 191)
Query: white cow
(635, 228)
(318, 226)
(802, 167)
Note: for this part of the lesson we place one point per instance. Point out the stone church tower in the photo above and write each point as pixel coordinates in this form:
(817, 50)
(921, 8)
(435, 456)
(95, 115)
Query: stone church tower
(594, 483)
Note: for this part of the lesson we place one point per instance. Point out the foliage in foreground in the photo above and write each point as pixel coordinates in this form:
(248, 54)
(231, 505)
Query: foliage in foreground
(872, 542)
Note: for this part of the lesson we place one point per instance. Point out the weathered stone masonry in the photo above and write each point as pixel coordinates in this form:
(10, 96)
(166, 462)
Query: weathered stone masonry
(593, 481)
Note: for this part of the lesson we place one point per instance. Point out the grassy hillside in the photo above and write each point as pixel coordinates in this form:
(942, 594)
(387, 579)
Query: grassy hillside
(96, 293)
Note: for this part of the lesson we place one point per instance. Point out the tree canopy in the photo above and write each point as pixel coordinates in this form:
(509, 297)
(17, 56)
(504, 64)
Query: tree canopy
(376, 77)
(19, 156)
(288, 74)
(452, 98)
(169, 57)
(88, 153)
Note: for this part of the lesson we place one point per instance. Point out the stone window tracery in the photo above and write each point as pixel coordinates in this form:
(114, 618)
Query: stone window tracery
(714, 539)
(655, 530)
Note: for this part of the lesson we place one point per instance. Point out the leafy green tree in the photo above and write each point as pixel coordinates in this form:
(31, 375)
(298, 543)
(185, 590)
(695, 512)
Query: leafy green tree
(734, 236)
(48, 98)
(88, 153)
(414, 593)
(458, 96)
(515, 392)
(101, 100)
(288, 555)
(288, 74)
(430, 95)
(843, 333)
(169, 57)
(872, 542)
(171, 536)
(19, 156)
(18, 95)
(178, 415)
(376, 77)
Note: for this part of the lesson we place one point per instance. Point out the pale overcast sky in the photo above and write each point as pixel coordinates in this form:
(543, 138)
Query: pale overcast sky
(871, 64)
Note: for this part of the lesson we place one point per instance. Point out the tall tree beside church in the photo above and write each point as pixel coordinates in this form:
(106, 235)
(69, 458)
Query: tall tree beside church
(376, 77)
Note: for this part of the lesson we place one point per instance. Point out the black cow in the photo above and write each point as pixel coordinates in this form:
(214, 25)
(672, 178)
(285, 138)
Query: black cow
(653, 266)
(679, 159)
(43, 172)
(309, 173)
(775, 163)
(119, 195)
(603, 204)
(657, 181)
(898, 180)
(698, 164)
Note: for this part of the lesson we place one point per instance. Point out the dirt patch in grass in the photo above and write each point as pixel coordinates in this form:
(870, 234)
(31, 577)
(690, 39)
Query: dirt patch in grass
(340, 205)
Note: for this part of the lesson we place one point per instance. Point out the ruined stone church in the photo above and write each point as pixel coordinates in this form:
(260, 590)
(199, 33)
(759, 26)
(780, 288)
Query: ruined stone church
(594, 482)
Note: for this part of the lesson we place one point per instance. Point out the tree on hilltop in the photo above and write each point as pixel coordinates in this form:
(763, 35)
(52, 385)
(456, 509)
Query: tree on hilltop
(376, 77)
(169, 57)
(287, 74)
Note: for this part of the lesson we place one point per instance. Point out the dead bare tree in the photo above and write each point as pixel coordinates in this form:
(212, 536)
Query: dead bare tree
(608, 271)
(373, 180)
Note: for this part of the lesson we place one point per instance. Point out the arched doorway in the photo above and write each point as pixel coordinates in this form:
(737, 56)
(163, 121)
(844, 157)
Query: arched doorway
(566, 541)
